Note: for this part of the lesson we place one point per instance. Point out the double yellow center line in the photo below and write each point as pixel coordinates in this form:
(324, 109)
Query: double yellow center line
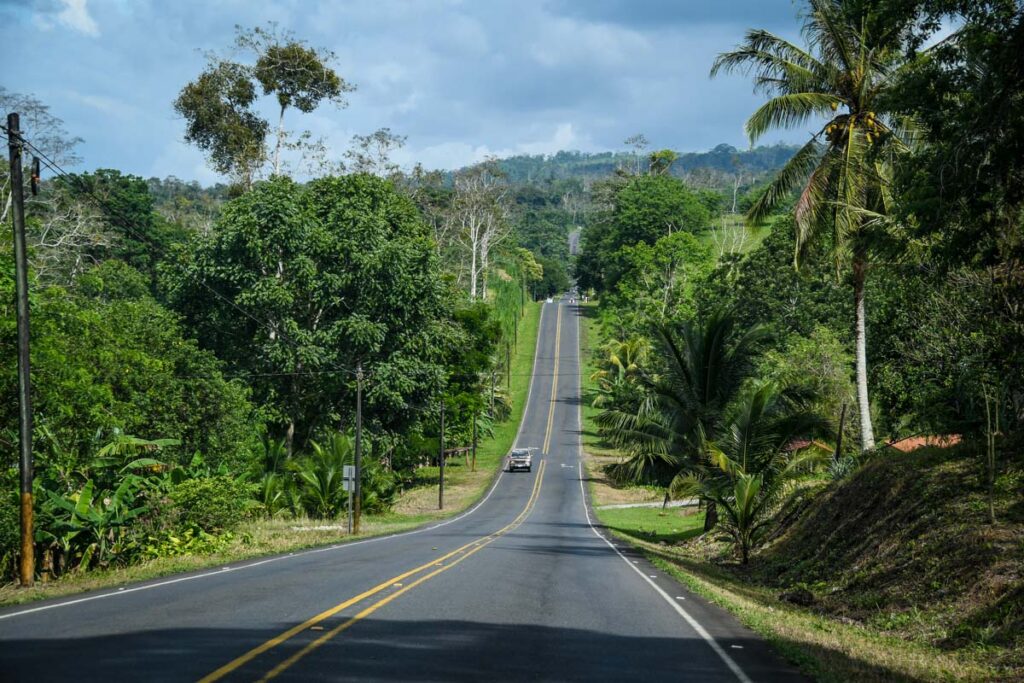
(554, 382)
(435, 567)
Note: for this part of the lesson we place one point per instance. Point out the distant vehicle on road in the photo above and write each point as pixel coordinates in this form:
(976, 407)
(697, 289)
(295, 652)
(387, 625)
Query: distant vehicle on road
(520, 459)
(550, 300)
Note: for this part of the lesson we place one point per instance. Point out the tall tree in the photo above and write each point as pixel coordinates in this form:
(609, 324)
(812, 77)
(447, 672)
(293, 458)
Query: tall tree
(295, 74)
(845, 74)
(219, 106)
(372, 153)
(479, 216)
(314, 280)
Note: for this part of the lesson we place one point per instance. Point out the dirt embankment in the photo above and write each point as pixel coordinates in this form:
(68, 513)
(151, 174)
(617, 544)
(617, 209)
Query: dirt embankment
(904, 546)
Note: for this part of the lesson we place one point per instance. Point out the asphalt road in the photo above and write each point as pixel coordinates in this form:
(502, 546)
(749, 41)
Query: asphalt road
(522, 587)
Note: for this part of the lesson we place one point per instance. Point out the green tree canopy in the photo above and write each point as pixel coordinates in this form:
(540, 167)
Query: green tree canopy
(109, 358)
(315, 279)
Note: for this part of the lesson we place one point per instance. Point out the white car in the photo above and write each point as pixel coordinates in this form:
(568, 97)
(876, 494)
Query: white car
(550, 300)
(520, 459)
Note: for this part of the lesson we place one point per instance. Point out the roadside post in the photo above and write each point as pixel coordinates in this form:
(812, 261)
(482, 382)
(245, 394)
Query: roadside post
(348, 477)
(357, 489)
(440, 489)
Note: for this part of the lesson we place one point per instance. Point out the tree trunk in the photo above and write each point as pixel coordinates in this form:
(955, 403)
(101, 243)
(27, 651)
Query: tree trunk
(277, 147)
(472, 273)
(289, 438)
(867, 433)
(710, 516)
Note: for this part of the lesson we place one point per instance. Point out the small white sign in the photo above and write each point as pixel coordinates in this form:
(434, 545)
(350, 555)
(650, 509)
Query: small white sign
(348, 485)
(348, 472)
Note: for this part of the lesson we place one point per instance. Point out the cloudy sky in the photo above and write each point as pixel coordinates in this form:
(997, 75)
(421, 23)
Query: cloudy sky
(461, 78)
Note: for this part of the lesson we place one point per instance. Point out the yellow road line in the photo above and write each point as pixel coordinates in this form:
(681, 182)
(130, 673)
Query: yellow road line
(240, 661)
(554, 381)
(482, 543)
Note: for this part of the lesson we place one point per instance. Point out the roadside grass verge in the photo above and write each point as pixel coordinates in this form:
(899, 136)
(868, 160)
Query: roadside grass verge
(260, 538)
(462, 486)
(653, 525)
(822, 647)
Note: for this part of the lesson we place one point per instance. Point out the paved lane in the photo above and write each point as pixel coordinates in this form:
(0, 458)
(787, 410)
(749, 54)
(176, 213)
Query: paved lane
(521, 588)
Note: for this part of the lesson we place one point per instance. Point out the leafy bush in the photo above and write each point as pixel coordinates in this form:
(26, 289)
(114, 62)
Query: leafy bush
(191, 541)
(214, 503)
(10, 518)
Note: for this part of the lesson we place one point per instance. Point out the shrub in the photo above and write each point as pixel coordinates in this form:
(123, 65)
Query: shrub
(10, 517)
(213, 503)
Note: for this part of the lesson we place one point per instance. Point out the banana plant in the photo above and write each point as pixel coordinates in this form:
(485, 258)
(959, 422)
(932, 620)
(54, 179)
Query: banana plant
(91, 525)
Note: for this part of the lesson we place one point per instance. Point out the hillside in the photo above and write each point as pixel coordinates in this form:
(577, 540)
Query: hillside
(723, 159)
(891, 574)
(904, 546)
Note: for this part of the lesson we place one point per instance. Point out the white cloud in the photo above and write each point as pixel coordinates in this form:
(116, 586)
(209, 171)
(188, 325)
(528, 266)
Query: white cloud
(107, 105)
(75, 15)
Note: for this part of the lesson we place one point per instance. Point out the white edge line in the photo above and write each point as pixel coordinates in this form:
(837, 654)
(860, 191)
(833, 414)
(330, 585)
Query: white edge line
(694, 624)
(701, 631)
(343, 546)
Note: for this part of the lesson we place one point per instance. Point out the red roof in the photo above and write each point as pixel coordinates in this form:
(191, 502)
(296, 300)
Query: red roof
(912, 443)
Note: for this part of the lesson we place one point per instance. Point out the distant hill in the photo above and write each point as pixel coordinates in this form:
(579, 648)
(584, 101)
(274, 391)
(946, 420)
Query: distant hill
(723, 159)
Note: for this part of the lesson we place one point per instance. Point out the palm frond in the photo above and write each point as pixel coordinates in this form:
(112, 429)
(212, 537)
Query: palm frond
(796, 170)
(789, 110)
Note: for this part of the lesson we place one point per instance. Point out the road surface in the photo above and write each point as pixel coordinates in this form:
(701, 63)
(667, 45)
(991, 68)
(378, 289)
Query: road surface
(522, 587)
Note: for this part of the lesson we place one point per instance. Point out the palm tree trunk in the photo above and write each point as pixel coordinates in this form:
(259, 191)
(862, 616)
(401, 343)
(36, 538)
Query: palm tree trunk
(710, 516)
(867, 432)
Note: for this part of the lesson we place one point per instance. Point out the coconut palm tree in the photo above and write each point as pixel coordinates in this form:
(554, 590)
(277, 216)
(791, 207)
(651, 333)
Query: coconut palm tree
(844, 75)
(617, 379)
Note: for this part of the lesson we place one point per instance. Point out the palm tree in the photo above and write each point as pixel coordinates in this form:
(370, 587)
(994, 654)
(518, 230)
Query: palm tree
(701, 370)
(753, 457)
(706, 429)
(617, 380)
(844, 76)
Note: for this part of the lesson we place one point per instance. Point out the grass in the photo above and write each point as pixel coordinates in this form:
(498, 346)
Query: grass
(415, 506)
(822, 647)
(653, 525)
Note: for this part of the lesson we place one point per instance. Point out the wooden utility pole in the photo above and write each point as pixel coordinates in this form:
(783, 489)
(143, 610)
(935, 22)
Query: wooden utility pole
(508, 368)
(358, 512)
(27, 566)
(440, 488)
(473, 468)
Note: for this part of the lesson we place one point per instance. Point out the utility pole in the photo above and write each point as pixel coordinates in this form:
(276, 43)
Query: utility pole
(473, 468)
(359, 448)
(440, 488)
(508, 368)
(27, 567)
